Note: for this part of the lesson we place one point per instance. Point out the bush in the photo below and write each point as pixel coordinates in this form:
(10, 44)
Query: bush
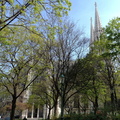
(84, 117)
(95, 117)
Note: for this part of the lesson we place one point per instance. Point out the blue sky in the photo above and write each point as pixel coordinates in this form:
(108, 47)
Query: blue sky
(83, 10)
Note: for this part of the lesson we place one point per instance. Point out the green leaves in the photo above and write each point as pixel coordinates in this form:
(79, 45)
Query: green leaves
(27, 11)
(112, 32)
(11, 1)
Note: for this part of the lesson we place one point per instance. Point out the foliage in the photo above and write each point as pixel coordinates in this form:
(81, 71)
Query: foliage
(111, 35)
(84, 117)
(17, 63)
(63, 43)
(107, 51)
(30, 11)
(40, 95)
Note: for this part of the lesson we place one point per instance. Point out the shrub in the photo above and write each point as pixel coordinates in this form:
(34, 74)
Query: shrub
(85, 117)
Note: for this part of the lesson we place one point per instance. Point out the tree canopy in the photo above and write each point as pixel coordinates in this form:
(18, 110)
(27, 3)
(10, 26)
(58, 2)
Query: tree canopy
(111, 36)
(26, 12)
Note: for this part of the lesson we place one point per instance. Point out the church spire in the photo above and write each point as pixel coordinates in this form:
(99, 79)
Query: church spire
(92, 33)
(98, 28)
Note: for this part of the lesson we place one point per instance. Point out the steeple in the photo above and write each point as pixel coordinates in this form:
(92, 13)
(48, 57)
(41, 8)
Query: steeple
(91, 33)
(98, 28)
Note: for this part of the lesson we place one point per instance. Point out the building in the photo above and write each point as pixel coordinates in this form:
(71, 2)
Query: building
(95, 30)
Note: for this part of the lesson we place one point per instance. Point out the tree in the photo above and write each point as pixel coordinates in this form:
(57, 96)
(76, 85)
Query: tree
(4, 100)
(89, 81)
(110, 78)
(22, 62)
(69, 45)
(64, 45)
(109, 67)
(43, 95)
(24, 10)
(112, 35)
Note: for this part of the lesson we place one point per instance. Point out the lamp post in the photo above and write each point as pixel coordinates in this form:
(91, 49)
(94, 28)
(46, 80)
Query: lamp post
(62, 96)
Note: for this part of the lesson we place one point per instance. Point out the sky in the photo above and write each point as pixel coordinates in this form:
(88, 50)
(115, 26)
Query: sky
(83, 10)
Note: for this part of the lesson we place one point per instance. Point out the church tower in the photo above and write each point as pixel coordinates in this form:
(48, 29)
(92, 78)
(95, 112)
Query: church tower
(97, 29)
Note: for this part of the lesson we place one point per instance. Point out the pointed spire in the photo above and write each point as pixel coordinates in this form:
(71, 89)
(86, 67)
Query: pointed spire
(95, 4)
(92, 33)
(98, 26)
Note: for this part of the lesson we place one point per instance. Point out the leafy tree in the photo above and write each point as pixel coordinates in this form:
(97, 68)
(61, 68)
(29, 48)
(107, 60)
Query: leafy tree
(43, 95)
(93, 88)
(24, 10)
(4, 100)
(21, 57)
(110, 77)
(107, 48)
(111, 35)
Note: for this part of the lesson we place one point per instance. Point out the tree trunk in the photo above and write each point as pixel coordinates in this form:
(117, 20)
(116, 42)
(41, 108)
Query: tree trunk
(115, 97)
(55, 110)
(112, 101)
(55, 107)
(96, 105)
(13, 108)
(79, 107)
(62, 105)
(49, 114)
